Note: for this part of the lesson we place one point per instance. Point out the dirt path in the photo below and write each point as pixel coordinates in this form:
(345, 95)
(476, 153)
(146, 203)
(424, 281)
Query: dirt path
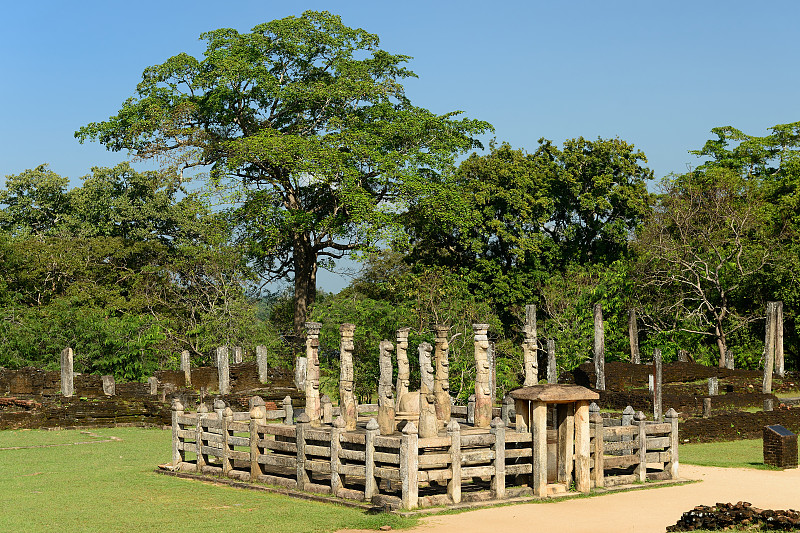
(636, 511)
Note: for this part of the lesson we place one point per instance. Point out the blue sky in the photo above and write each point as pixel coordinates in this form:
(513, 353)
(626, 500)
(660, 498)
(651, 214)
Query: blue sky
(657, 74)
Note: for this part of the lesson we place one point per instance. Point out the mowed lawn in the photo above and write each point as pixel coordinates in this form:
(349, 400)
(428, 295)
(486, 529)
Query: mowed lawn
(103, 480)
(733, 454)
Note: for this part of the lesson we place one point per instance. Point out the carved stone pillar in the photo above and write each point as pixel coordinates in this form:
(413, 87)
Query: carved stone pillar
(441, 386)
(385, 396)
(403, 367)
(313, 405)
(347, 399)
(483, 392)
(428, 425)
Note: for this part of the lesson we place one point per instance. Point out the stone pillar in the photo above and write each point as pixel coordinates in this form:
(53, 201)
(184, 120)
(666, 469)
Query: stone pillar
(261, 361)
(633, 335)
(530, 348)
(599, 469)
(454, 485)
(219, 408)
(336, 446)
(347, 398)
(626, 420)
(67, 374)
(428, 425)
(768, 404)
(706, 407)
(658, 380)
(498, 429)
(300, 372)
(153, 382)
(109, 385)
(370, 483)
(223, 370)
(202, 457)
(538, 426)
(178, 454)
(599, 348)
(409, 466)
(683, 356)
(313, 404)
(288, 411)
(505, 410)
(471, 409)
(582, 476)
(186, 368)
(441, 385)
(386, 409)
(641, 469)
(303, 423)
(483, 394)
(778, 319)
(238, 355)
(769, 349)
(552, 366)
(492, 377)
(729, 360)
(258, 417)
(327, 409)
(672, 465)
(403, 367)
(227, 441)
(713, 386)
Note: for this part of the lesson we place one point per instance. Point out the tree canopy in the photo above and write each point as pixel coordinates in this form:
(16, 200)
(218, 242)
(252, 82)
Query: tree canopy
(308, 120)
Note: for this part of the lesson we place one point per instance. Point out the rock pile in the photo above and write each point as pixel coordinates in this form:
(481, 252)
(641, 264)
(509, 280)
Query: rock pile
(736, 515)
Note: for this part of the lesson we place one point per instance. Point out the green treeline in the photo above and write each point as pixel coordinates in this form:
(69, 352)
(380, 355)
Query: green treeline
(307, 150)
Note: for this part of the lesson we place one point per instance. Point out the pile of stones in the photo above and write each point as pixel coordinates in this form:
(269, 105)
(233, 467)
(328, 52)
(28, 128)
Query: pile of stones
(735, 516)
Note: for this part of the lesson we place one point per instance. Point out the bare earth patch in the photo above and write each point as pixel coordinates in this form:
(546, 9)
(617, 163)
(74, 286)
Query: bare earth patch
(642, 511)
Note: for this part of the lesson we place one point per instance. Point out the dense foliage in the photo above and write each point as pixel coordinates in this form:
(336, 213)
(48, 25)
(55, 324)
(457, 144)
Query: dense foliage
(304, 128)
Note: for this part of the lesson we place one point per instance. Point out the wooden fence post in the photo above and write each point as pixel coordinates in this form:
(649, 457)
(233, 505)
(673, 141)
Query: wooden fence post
(672, 466)
(202, 457)
(258, 417)
(538, 426)
(498, 429)
(227, 447)
(582, 447)
(288, 417)
(596, 420)
(454, 485)
(303, 422)
(370, 484)
(641, 468)
(178, 453)
(409, 464)
(336, 446)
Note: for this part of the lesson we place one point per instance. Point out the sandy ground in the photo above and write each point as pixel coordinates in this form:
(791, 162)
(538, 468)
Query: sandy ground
(636, 511)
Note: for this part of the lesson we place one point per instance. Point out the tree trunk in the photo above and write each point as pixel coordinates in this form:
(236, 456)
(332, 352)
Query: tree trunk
(721, 344)
(305, 281)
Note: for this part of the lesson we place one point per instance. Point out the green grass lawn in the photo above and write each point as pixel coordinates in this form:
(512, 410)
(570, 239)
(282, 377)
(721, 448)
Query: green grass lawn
(106, 482)
(734, 454)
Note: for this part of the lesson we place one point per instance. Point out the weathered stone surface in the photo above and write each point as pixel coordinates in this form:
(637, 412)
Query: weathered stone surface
(347, 399)
(530, 347)
(109, 386)
(386, 410)
(223, 369)
(313, 408)
(403, 366)
(483, 393)
(557, 393)
(67, 375)
(428, 425)
(441, 387)
(261, 361)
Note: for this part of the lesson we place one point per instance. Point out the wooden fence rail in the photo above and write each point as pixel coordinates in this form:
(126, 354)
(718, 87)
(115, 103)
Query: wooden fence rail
(462, 464)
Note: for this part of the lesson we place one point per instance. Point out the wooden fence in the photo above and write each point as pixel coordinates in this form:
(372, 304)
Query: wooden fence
(402, 470)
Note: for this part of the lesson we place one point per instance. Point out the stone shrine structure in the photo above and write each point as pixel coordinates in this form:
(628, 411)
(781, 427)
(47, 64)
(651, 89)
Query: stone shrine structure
(347, 399)
(441, 387)
(483, 392)
(386, 411)
(313, 405)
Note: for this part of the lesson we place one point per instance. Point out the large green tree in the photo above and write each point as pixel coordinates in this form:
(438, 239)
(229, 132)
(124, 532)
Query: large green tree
(308, 120)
